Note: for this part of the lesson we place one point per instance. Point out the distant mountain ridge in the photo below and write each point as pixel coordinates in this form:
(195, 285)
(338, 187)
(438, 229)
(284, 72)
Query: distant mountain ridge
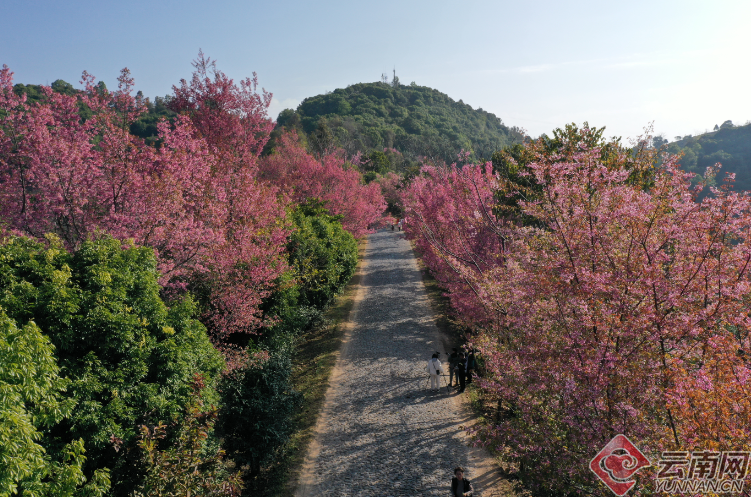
(411, 120)
(415, 120)
(419, 121)
(729, 145)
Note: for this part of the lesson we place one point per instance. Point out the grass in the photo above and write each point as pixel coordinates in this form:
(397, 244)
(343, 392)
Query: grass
(312, 363)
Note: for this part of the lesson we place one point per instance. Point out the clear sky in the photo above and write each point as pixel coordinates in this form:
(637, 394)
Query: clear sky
(686, 65)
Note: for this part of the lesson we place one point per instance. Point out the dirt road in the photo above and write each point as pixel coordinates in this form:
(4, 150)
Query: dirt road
(382, 432)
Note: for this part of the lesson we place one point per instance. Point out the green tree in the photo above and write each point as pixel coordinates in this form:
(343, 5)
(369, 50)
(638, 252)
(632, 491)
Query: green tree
(322, 253)
(322, 257)
(322, 140)
(728, 144)
(416, 120)
(286, 117)
(33, 92)
(256, 417)
(32, 399)
(190, 466)
(63, 87)
(130, 359)
(377, 162)
(520, 184)
(146, 125)
(258, 400)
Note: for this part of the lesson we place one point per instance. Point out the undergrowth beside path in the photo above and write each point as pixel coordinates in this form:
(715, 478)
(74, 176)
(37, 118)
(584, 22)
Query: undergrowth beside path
(313, 360)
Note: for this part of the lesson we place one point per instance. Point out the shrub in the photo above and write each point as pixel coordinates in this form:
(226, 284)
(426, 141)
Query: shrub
(192, 465)
(32, 399)
(322, 253)
(322, 257)
(129, 358)
(258, 402)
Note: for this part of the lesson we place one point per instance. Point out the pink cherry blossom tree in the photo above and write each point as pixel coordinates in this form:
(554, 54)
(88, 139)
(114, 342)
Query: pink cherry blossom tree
(232, 118)
(622, 309)
(299, 175)
(196, 201)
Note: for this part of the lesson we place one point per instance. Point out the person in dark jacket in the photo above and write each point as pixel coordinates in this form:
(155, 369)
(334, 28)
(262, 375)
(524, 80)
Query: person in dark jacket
(453, 361)
(460, 486)
(470, 365)
(461, 371)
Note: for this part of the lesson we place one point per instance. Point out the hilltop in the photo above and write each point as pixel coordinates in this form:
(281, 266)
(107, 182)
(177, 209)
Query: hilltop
(728, 144)
(415, 120)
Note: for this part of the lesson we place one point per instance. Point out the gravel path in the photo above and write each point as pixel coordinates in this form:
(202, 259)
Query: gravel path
(382, 432)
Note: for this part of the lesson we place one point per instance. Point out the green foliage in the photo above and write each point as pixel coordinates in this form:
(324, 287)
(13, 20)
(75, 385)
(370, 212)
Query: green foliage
(258, 402)
(322, 253)
(31, 401)
(63, 87)
(256, 417)
(377, 162)
(31, 391)
(190, 466)
(129, 358)
(286, 118)
(729, 145)
(322, 257)
(33, 92)
(369, 177)
(520, 184)
(416, 120)
(511, 164)
(321, 139)
(146, 125)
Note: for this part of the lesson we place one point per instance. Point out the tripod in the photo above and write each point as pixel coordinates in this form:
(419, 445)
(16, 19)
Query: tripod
(443, 377)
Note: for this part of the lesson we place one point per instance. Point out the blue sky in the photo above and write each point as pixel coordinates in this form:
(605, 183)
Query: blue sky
(683, 64)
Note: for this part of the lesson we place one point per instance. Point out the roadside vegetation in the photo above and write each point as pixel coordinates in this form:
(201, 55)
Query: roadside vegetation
(154, 289)
(172, 275)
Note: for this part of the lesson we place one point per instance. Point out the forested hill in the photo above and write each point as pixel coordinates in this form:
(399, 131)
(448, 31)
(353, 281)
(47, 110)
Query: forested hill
(729, 145)
(415, 120)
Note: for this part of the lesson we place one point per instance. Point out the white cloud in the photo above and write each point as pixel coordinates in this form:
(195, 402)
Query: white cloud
(279, 105)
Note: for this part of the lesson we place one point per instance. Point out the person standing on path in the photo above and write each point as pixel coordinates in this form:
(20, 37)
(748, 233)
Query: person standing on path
(470, 365)
(460, 486)
(461, 371)
(453, 361)
(436, 370)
